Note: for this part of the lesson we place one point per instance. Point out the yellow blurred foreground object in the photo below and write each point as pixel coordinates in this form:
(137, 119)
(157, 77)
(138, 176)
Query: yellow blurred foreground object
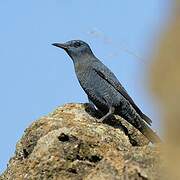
(165, 77)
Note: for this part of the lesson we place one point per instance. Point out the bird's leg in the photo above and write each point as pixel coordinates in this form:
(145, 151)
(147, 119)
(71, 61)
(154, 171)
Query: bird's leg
(111, 111)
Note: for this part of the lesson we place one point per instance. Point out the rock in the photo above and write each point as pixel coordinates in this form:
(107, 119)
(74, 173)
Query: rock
(69, 144)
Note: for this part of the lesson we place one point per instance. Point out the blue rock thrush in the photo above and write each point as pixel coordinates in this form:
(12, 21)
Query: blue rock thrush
(103, 88)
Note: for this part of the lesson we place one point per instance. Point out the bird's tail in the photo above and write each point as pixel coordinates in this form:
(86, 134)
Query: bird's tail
(135, 120)
(149, 133)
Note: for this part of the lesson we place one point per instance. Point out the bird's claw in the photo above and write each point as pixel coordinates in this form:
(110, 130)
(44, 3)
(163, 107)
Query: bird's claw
(100, 120)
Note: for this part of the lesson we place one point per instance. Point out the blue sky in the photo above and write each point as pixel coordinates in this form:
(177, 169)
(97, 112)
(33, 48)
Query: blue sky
(37, 77)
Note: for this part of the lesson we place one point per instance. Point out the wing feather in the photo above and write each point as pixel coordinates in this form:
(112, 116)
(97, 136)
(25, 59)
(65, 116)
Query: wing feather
(106, 74)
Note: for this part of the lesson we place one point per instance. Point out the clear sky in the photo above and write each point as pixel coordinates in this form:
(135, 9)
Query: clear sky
(37, 77)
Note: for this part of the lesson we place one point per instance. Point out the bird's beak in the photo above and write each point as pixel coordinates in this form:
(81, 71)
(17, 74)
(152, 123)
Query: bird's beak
(63, 46)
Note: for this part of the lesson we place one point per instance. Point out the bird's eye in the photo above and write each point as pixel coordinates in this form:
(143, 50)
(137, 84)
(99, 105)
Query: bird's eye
(77, 44)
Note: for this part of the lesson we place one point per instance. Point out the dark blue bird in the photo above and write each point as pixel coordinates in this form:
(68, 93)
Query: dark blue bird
(103, 88)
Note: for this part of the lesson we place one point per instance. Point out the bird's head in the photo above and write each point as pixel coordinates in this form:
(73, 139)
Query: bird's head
(76, 49)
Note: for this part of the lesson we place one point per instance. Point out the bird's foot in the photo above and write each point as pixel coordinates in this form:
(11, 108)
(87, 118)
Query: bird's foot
(106, 116)
(100, 120)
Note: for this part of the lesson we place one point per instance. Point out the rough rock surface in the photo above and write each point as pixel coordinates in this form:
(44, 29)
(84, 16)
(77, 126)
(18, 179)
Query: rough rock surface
(69, 144)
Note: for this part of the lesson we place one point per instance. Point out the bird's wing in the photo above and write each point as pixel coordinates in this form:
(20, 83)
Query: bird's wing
(107, 75)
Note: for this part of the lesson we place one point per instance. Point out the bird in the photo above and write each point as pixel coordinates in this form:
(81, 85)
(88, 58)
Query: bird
(104, 90)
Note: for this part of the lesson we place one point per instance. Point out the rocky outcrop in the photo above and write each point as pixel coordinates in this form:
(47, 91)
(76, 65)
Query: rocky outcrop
(69, 144)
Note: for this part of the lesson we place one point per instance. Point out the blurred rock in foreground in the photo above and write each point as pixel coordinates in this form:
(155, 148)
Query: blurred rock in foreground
(69, 144)
(165, 78)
